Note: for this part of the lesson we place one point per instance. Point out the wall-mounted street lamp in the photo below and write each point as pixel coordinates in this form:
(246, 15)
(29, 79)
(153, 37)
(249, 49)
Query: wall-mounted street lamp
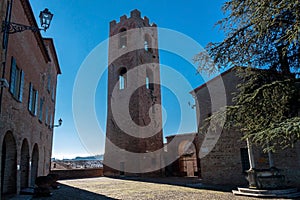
(60, 121)
(45, 19)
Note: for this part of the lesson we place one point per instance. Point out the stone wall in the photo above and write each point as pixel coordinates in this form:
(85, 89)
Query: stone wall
(221, 151)
(78, 173)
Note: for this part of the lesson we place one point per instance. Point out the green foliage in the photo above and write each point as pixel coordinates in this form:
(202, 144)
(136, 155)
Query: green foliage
(263, 35)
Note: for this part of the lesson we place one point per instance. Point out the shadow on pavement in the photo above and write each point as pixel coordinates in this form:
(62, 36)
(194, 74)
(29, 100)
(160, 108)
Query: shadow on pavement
(192, 182)
(66, 192)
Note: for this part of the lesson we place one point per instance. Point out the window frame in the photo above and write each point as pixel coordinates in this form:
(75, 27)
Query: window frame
(122, 78)
(123, 38)
(33, 100)
(17, 77)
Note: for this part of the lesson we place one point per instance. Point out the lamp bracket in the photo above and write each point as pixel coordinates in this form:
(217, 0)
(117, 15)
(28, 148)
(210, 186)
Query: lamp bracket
(15, 27)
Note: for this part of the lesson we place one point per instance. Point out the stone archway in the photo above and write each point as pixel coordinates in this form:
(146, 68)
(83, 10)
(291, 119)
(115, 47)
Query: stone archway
(34, 164)
(188, 158)
(24, 165)
(9, 165)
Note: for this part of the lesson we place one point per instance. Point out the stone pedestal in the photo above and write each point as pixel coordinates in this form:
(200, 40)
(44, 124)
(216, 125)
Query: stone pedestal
(266, 178)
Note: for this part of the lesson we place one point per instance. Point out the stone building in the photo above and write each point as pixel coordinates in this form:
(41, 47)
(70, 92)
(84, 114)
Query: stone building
(224, 156)
(29, 64)
(187, 163)
(134, 118)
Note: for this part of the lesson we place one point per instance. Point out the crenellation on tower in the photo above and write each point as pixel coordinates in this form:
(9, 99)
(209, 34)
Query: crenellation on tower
(146, 20)
(123, 18)
(112, 24)
(135, 13)
(133, 21)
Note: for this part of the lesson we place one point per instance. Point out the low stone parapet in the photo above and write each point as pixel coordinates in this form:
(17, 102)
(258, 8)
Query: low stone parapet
(78, 173)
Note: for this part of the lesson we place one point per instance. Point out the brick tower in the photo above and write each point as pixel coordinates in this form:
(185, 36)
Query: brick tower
(134, 118)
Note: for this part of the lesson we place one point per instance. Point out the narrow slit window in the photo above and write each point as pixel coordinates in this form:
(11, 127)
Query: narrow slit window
(122, 79)
(147, 43)
(149, 80)
(123, 38)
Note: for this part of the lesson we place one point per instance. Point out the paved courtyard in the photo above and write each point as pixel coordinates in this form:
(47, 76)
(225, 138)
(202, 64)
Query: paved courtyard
(108, 188)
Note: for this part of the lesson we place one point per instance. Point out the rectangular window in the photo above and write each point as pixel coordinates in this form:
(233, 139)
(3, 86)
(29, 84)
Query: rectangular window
(53, 93)
(46, 113)
(49, 83)
(33, 100)
(41, 109)
(245, 159)
(147, 82)
(122, 82)
(16, 81)
(123, 39)
(51, 119)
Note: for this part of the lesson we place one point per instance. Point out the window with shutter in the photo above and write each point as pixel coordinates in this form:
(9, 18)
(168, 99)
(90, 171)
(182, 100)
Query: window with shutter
(33, 100)
(41, 109)
(16, 81)
(30, 97)
(21, 87)
(12, 75)
(46, 113)
(49, 83)
(53, 93)
(36, 97)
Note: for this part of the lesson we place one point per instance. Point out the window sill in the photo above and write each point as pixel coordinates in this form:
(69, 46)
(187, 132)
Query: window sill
(15, 98)
(32, 114)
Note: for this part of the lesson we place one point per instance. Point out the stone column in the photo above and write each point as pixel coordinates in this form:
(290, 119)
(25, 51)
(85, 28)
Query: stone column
(251, 172)
(271, 161)
(250, 154)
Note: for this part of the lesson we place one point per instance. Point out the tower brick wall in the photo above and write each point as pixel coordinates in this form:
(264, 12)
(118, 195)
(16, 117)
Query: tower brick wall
(138, 97)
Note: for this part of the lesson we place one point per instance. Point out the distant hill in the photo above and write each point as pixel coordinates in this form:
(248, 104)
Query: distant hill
(97, 157)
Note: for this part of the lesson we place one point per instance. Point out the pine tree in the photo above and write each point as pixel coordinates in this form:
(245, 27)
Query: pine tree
(262, 38)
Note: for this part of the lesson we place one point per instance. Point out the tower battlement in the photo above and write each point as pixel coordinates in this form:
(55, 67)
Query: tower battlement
(134, 15)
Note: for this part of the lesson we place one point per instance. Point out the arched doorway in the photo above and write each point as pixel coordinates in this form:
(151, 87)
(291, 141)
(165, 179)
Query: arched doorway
(188, 158)
(9, 165)
(34, 164)
(24, 165)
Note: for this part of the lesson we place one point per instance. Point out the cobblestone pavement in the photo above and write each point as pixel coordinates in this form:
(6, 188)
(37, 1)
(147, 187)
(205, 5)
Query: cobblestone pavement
(108, 188)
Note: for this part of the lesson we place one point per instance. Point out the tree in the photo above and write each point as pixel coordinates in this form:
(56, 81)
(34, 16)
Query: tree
(262, 37)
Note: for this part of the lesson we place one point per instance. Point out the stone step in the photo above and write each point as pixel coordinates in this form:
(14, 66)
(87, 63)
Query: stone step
(280, 194)
(235, 192)
(264, 191)
(27, 191)
(21, 197)
(292, 195)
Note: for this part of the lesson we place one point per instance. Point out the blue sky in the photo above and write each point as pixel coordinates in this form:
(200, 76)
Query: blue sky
(78, 26)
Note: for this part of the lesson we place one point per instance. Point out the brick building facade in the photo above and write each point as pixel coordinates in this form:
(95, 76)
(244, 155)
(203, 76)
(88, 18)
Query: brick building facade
(30, 65)
(134, 119)
(228, 159)
(185, 146)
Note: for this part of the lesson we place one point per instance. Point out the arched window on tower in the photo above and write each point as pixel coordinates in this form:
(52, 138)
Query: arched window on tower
(147, 43)
(123, 38)
(149, 80)
(122, 78)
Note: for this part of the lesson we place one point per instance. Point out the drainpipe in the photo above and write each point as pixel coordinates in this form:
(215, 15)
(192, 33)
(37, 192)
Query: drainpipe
(5, 45)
